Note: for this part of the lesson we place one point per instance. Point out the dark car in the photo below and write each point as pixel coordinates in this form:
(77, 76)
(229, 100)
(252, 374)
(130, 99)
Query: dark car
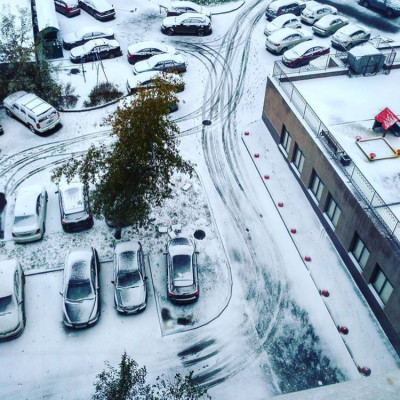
(304, 52)
(74, 207)
(187, 24)
(281, 7)
(99, 9)
(163, 62)
(144, 50)
(81, 302)
(69, 8)
(80, 37)
(129, 277)
(95, 50)
(182, 270)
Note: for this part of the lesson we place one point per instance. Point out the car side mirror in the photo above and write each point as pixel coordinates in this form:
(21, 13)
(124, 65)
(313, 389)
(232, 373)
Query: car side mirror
(197, 252)
(113, 282)
(165, 253)
(21, 301)
(56, 192)
(145, 278)
(61, 293)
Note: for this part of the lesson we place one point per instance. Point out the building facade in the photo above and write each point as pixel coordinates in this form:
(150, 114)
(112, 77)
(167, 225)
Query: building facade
(367, 242)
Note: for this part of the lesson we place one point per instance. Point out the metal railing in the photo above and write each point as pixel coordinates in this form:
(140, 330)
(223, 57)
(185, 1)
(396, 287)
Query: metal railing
(388, 222)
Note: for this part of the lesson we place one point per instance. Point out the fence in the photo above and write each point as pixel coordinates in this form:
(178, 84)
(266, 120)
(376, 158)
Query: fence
(387, 221)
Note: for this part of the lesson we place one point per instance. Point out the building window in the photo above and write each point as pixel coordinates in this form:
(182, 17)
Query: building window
(360, 252)
(333, 211)
(298, 160)
(317, 186)
(286, 140)
(382, 285)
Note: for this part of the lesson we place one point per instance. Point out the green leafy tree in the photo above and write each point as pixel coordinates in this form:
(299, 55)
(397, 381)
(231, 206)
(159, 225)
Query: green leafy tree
(134, 174)
(128, 382)
(18, 53)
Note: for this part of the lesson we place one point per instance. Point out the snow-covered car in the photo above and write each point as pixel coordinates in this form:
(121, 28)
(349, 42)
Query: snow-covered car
(149, 79)
(81, 286)
(181, 7)
(286, 38)
(12, 306)
(74, 206)
(30, 214)
(162, 62)
(85, 34)
(349, 36)
(69, 8)
(329, 24)
(38, 115)
(284, 21)
(187, 24)
(315, 11)
(280, 7)
(144, 50)
(99, 9)
(182, 270)
(303, 53)
(391, 8)
(94, 50)
(129, 277)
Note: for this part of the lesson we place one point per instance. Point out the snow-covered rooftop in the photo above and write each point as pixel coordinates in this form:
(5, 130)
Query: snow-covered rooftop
(350, 116)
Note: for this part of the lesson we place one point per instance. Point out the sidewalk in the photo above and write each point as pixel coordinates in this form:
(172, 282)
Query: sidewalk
(345, 303)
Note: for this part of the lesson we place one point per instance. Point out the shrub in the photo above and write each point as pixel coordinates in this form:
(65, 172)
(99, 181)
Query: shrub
(102, 93)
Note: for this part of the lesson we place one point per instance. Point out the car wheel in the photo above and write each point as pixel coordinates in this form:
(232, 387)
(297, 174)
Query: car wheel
(170, 32)
(112, 55)
(364, 3)
(389, 13)
(200, 32)
(32, 128)
(283, 50)
(8, 112)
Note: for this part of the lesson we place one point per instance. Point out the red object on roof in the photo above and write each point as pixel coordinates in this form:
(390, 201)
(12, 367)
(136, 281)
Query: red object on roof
(386, 118)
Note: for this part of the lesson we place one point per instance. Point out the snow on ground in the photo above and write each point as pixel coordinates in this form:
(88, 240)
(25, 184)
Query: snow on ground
(259, 328)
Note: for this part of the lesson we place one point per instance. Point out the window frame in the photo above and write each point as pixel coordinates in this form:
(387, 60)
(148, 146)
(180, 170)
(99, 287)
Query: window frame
(286, 140)
(298, 162)
(320, 186)
(386, 281)
(361, 256)
(334, 218)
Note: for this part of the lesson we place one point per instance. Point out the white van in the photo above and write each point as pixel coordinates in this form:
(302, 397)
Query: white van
(38, 115)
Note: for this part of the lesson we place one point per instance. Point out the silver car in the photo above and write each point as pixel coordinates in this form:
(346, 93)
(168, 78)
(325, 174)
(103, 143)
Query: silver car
(30, 214)
(284, 21)
(81, 303)
(182, 270)
(12, 310)
(129, 277)
(284, 39)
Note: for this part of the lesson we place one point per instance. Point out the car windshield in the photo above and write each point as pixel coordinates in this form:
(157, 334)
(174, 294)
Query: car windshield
(182, 273)
(24, 220)
(5, 304)
(79, 290)
(128, 279)
(75, 216)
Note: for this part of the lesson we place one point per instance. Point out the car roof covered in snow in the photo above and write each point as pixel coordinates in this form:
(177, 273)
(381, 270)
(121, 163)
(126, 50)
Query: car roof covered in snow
(326, 20)
(7, 270)
(26, 200)
(77, 263)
